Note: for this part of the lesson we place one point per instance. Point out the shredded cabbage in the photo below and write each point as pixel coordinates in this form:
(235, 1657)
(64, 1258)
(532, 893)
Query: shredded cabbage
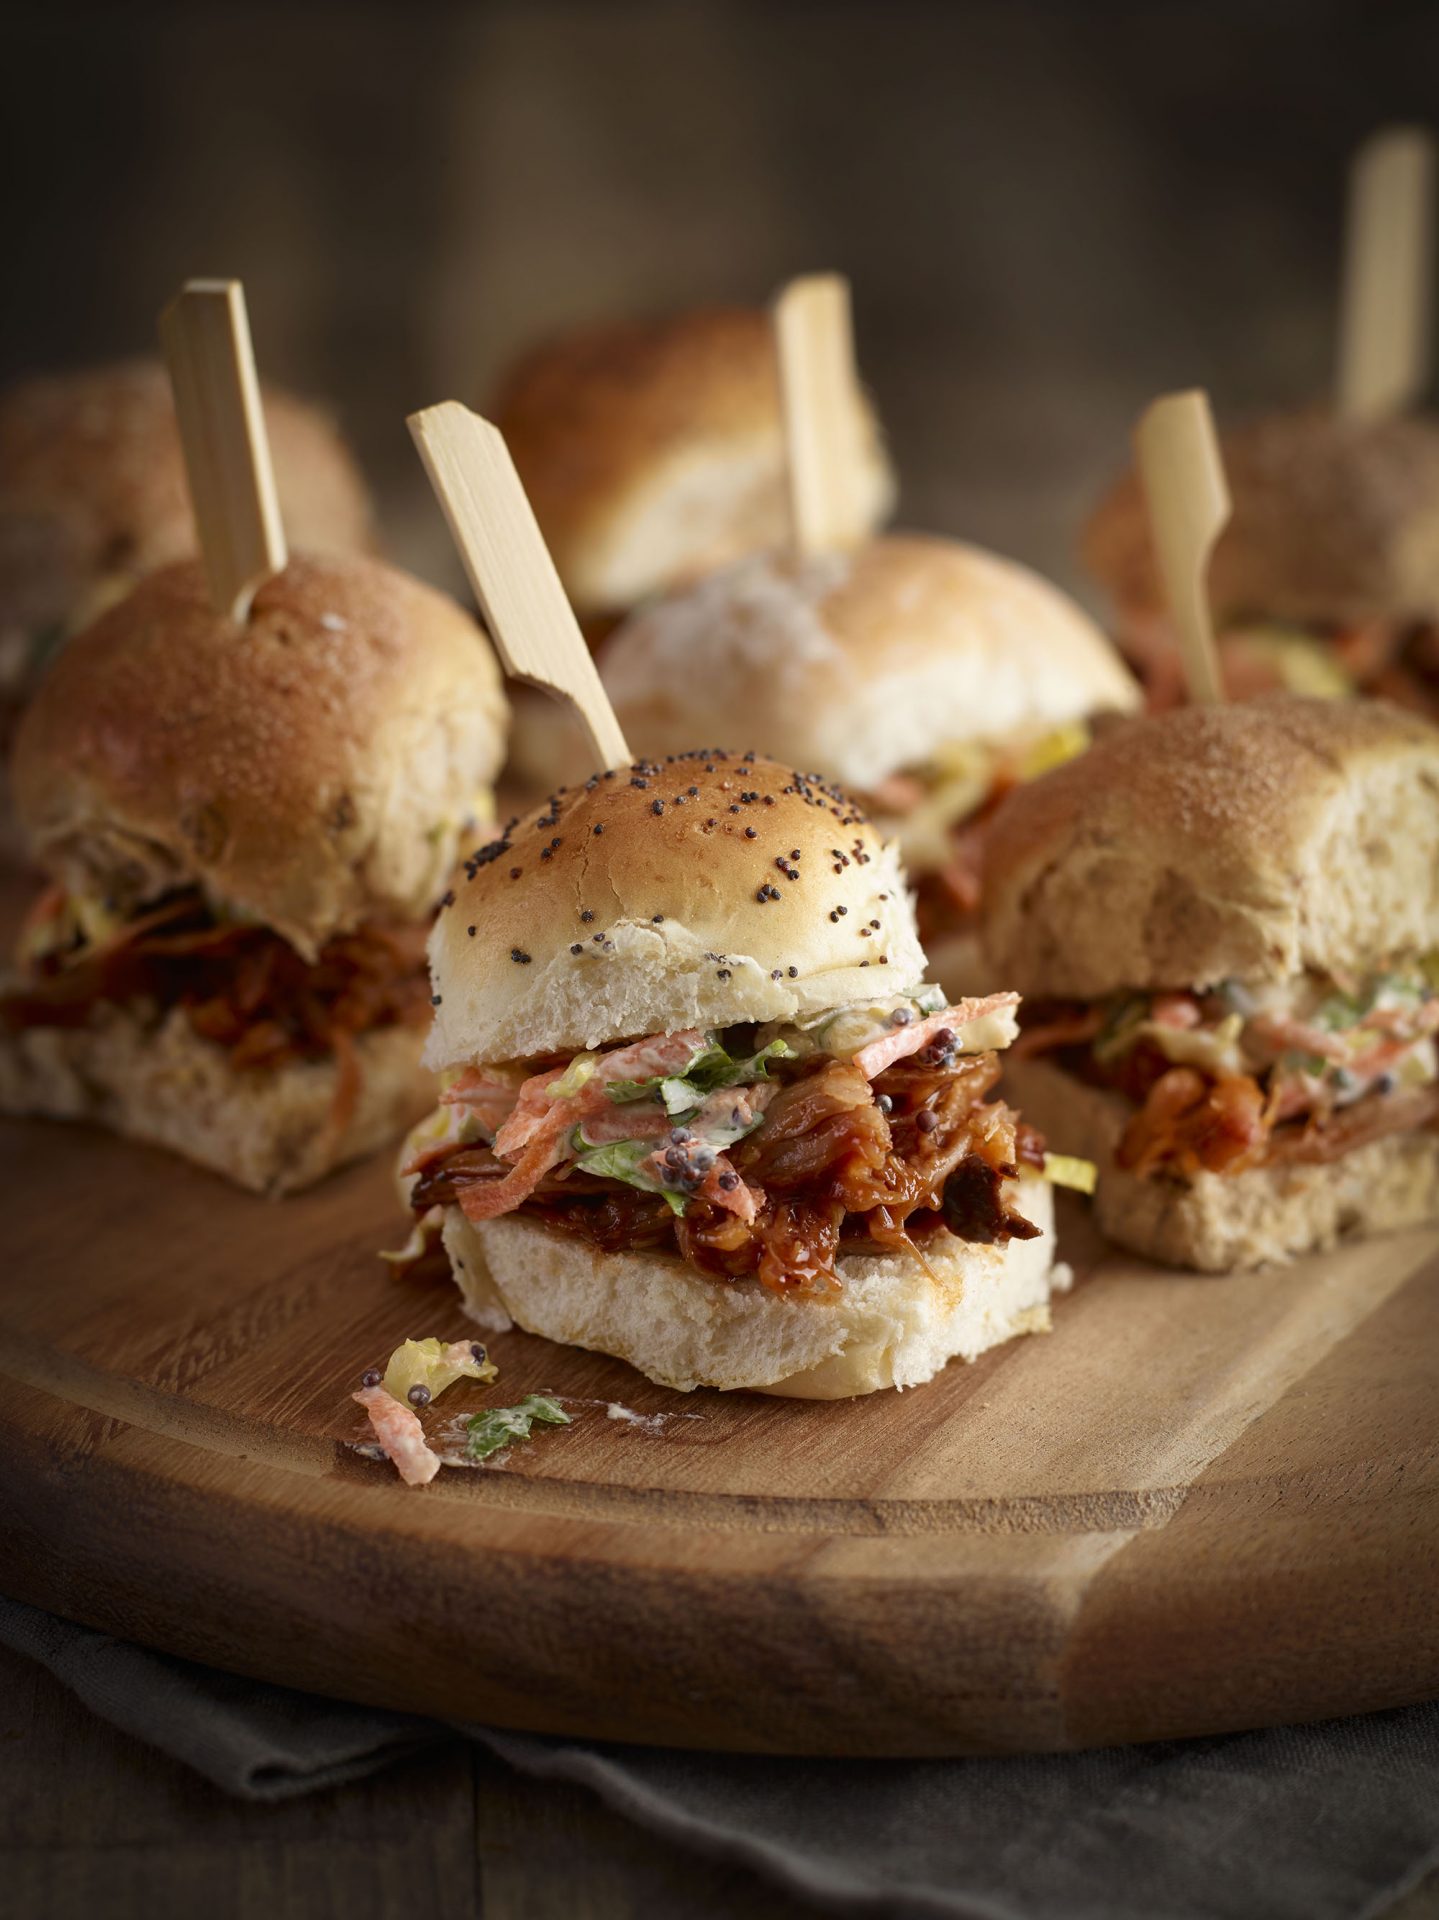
(842, 1031)
(580, 1069)
(1064, 1170)
(710, 1068)
(433, 1365)
(424, 1234)
(1053, 749)
(1298, 660)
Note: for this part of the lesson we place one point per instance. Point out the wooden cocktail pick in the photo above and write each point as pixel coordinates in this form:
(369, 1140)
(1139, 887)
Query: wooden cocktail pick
(509, 566)
(1384, 328)
(205, 333)
(1188, 503)
(814, 337)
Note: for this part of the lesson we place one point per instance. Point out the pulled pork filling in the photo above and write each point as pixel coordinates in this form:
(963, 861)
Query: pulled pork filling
(1394, 660)
(1245, 1076)
(939, 811)
(241, 987)
(752, 1151)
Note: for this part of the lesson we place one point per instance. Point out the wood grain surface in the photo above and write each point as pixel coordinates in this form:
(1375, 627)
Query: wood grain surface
(1200, 1504)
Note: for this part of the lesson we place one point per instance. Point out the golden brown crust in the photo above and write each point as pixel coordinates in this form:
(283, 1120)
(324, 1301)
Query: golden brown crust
(92, 488)
(862, 664)
(1246, 841)
(603, 420)
(700, 891)
(309, 769)
(1334, 521)
(583, 413)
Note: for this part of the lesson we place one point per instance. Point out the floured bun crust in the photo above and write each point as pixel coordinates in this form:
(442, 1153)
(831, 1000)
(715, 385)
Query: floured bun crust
(311, 769)
(653, 451)
(1240, 842)
(893, 1325)
(698, 891)
(1334, 520)
(93, 491)
(864, 663)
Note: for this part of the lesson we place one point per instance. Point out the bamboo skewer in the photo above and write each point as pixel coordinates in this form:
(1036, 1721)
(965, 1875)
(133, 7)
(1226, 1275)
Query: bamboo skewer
(814, 338)
(205, 333)
(1384, 333)
(509, 566)
(1188, 504)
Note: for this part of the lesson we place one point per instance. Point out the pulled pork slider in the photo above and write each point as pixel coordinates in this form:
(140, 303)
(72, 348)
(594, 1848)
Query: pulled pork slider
(652, 451)
(93, 496)
(700, 1109)
(1325, 581)
(247, 829)
(925, 675)
(1227, 921)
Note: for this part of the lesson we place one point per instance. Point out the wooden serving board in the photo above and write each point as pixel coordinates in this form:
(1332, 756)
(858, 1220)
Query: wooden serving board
(1199, 1504)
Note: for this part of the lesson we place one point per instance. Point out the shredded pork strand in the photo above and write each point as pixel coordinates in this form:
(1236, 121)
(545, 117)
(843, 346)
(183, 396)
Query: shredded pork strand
(1191, 1118)
(241, 987)
(1391, 659)
(835, 1155)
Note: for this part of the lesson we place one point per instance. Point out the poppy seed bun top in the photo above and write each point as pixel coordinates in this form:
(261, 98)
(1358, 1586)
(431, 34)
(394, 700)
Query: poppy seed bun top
(653, 451)
(862, 663)
(1334, 520)
(1232, 842)
(703, 890)
(310, 769)
(93, 490)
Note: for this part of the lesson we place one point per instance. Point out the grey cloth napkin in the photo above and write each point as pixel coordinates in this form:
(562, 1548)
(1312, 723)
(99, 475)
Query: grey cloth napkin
(1329, 1822)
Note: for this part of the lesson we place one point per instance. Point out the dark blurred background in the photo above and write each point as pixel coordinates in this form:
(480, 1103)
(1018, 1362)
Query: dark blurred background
(1049, 212)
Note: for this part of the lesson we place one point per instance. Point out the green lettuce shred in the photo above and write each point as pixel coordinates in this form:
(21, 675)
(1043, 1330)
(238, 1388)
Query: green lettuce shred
(580, 1069)
(496, 1427)
(625, 1160)
(711, 1067)
(1123, 1017)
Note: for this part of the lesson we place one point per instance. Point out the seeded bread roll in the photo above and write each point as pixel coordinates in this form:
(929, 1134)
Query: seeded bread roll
(895, 1324)
(310, 770)
(653, 451)
(1242, 841)
(861, 664)
(699, 891)
(1335, 520)
(93, 492)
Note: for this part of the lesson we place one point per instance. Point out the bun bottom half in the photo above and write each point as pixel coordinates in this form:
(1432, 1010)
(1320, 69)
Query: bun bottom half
(268, 1129)
(894, 1324)
(1224, 1223)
